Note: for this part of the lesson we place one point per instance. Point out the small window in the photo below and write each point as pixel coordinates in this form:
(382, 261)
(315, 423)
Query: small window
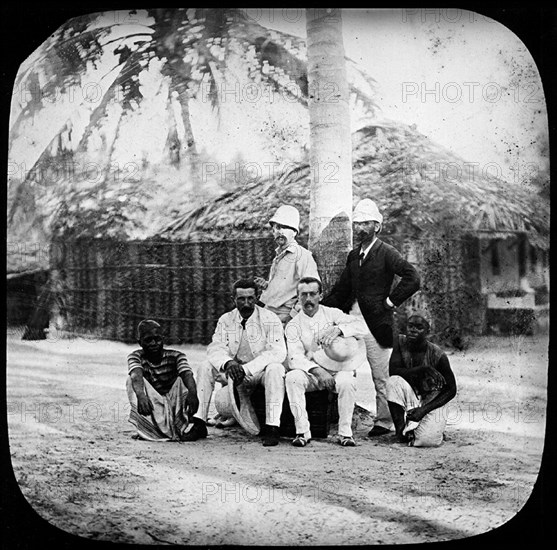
(495, 263)
(533, 256)
(522, 256)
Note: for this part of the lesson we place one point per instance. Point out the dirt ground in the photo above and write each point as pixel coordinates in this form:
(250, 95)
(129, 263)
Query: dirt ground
(77, 464)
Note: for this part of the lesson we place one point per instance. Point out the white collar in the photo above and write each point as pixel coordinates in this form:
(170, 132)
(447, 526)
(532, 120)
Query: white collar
(253, 318)
(290, 247)
(317, 313)
(368, 248)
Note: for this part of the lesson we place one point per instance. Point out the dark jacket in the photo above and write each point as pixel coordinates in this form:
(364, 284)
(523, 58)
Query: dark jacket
(371, 284)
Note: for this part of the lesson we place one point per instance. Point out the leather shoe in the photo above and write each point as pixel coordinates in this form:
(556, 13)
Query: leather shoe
(198, 431)
(271, 436)
(378, 430)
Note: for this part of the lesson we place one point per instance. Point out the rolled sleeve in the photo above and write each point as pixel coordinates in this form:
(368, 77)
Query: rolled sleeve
(182, 364)
(134, 362)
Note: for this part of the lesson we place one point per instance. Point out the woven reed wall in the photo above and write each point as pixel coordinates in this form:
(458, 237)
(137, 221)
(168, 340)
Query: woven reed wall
(104, 288)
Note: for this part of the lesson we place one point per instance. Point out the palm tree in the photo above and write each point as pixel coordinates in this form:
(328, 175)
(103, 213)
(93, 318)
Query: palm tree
(330, 234)
(189, 48)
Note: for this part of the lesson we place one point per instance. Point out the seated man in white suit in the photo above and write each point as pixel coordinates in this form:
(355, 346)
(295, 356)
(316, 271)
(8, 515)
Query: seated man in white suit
(324, 352)
(248, 347)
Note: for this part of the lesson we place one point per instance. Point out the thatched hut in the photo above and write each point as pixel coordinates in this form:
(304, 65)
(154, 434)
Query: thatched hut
(422, 188)
(431, 199)
(481, 246)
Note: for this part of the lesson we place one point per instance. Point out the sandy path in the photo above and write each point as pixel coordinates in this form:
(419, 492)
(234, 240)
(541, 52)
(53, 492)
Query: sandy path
(77, 464)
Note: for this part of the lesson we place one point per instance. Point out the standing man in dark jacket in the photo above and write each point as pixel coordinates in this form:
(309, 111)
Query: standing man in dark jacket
(365, 290)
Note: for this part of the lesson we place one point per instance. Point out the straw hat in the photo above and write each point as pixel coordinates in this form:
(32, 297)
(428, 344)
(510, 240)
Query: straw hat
(341, 351)
(232, 400)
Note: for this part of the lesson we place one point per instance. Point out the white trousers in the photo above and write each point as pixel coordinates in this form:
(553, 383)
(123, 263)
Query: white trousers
(298, 382)
(428, 432)
(271, 378)
(378, 358)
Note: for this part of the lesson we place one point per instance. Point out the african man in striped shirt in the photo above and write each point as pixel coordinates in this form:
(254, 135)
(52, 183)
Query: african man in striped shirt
(160, 386)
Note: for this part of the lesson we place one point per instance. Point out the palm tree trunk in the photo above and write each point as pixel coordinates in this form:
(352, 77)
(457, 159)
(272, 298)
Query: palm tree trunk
(330, 232)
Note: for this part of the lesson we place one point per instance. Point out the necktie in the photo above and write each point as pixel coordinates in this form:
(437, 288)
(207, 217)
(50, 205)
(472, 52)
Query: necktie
(362, 256)
(244, 353)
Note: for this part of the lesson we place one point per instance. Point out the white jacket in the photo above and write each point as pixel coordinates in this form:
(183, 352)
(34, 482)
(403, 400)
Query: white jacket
(264, 333)
(303, 332)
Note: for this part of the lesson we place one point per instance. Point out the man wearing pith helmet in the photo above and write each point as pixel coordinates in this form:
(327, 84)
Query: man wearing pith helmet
(365, 291)
(290, 264)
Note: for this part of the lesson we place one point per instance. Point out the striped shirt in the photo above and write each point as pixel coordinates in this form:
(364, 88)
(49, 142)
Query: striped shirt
(163, 375)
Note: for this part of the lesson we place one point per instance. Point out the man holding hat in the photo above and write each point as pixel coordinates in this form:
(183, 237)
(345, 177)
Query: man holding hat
(421, 384)
(365, 291)
(160, 386)
(323, 353)
(291, 263)
(247, 350)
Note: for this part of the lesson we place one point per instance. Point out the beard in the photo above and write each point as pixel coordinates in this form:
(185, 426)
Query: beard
(246, 311)
(363, 236)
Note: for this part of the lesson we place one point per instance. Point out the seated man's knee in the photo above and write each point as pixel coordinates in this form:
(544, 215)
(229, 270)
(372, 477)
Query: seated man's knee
(397, 390)
(345, 380)
(395, 382)
(295, 377)
(275, 369)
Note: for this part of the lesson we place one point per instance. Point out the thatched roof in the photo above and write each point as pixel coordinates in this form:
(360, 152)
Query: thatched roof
(422, 189)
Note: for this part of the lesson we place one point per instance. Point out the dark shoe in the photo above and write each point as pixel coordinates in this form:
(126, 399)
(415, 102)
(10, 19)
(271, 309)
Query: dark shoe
(197, 431)
(378, 430)
(300, 440)
(271, 435)
(347, 441)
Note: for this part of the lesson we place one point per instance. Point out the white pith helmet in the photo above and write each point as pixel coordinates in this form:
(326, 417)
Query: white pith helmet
(343, 350)
(366, 211)
(287, 215)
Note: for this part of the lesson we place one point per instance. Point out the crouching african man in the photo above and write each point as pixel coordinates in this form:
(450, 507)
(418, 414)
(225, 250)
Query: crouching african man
(161, 388)
(420, 385)
(319, 359)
